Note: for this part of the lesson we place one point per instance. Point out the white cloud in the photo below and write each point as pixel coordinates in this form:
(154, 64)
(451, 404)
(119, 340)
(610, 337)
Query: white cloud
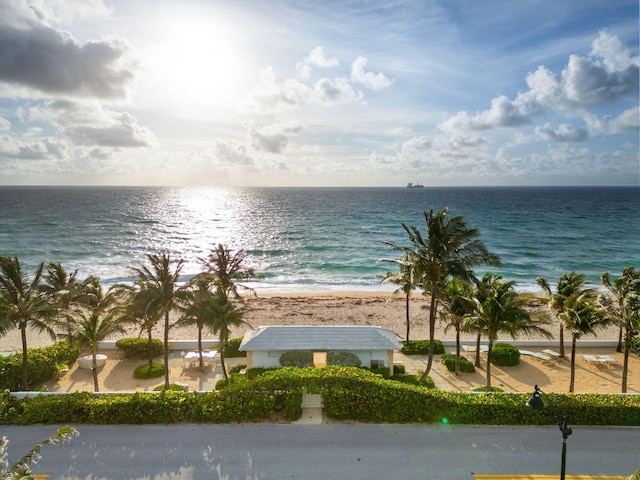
(232, 153)
(607, 125)
(373, 81)
(316, 58)
(91, 124)
(4, 124)
(336, 91)
(272, 138)
(610, 73)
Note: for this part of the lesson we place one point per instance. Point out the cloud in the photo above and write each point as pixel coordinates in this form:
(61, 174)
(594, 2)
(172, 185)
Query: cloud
(4, 124)
(14, 148)
(232, 153)
(607, 75)
(316, 58)
(336, 91)
(37, 56)
(272, 138)
(90, 124)
(373, 81)
(607, 125)
(564, 133)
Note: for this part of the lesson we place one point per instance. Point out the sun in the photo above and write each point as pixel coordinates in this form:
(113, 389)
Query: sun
(196, 64)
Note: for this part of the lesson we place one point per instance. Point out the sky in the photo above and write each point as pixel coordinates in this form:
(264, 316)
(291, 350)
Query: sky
(329, 93)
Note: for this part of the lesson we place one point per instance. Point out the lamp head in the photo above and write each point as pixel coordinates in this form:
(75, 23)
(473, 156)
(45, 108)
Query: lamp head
(535, 401)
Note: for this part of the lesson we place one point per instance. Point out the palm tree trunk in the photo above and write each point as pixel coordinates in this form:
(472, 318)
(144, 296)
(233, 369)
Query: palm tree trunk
(94, 369)
(457, 351)
(573, 362)
(150, 348)
(25, 380)
(561, 346)
(407, 314)
(223, 344)
(625, 363)
(478, 339)
(166, 350)
(432, 332)
(489, 365)
(619, 347)
(201, 365)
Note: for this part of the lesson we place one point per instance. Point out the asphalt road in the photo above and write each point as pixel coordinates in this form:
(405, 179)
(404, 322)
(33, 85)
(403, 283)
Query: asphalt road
(333, 451)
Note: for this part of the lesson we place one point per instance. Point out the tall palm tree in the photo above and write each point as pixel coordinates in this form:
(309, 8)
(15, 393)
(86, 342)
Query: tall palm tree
(405, 279)
(581, 315)
(502, 310)
(23, 305)
(158, 294)
(569, 284)
(66, 292)
(91, 328)
(228, 269)
(622, 306)
(451, 249)
(199, 308)
(458, 304)
(226, 315)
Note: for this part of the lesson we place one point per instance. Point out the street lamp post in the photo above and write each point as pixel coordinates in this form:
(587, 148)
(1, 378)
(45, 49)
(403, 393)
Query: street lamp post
(536, 403)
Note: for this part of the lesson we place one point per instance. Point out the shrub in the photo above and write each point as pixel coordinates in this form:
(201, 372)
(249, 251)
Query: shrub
(449, 360)
(139, 347)
(505, 355)
(144, 372)
(301, 358)
(414, 380)
(398, 369)
(238, 368)
(343, 359)
(484, 389)
(43, 364)
(231, 350)
(173, 387)
(421, 347)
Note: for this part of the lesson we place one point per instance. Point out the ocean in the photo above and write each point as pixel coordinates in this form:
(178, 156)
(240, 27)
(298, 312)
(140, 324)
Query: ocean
(317, 239)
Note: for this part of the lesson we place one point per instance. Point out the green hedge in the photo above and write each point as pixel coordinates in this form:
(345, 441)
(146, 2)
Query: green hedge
(449, 361)
(231, 350)
(505, 355)
(301, 358)
(421, 347)
(139, 347)
(349, 394)
(43, 364)
(343, 359)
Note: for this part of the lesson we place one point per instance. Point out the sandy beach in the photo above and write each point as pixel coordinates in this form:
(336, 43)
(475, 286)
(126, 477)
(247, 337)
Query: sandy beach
(360, 308)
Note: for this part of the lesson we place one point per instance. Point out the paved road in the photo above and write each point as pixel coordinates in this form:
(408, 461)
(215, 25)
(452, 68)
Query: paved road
(333, 451)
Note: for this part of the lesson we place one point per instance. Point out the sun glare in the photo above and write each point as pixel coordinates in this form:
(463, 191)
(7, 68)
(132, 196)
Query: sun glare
(196, 65)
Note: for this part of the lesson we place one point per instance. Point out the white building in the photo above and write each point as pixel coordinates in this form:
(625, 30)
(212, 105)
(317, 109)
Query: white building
(374, 346)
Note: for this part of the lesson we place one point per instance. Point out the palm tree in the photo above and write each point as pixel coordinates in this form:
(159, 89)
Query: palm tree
(502, 310)
(65, 292)
(623, 308)
(158, 293)
(569, 284)
(404, 278)
(21, 469)
(581, 315)
(458, 304)
(225, 315)
(199, 308)
(229, 268)
(96, 322)
(451, 249)
(23, 305)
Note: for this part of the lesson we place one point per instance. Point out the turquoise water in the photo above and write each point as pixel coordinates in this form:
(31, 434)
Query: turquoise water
(316, 239)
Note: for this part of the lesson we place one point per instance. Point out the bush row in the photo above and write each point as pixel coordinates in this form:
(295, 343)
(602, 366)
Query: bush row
(43, 364)
(139, 347)
(348, 393)
(421, 347)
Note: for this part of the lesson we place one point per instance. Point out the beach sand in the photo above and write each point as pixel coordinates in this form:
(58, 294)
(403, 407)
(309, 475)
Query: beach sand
(358, 308)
